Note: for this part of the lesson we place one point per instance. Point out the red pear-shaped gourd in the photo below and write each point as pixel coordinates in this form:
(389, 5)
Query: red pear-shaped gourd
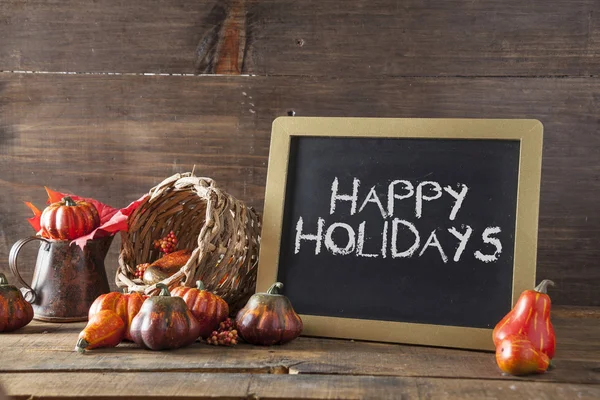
(530, 317)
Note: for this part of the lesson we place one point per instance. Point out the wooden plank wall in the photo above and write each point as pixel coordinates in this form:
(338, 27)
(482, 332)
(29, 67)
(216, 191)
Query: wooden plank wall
(105, 98)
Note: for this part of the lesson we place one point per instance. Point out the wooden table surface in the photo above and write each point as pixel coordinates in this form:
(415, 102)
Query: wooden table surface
(39, 362)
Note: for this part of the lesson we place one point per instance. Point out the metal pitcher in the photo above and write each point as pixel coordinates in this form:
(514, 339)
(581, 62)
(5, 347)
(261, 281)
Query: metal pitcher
(66, 279)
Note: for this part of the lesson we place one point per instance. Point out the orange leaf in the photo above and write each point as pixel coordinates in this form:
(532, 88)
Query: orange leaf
(53, 196)
(35, 220)
(33, 208)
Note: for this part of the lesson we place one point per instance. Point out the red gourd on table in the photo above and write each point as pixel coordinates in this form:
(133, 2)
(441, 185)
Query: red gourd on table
(530, 317)
(269, 318)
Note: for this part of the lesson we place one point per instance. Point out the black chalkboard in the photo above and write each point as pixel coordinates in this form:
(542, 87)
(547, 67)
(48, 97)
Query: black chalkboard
(472, 291)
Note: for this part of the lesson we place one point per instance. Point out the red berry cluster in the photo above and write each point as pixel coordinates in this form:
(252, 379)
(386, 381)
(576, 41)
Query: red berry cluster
(140, 269)
(226, 335)
(167, 244)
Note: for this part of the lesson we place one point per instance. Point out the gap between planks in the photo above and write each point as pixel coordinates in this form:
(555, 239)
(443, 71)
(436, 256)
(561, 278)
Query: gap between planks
(270, 370)
(297, 76)
(116, 73)
(288, 370)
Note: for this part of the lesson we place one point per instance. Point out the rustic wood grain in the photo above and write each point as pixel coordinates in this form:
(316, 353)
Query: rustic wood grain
(42, 347)
(309, 38)
(178, 385)
(222, 49)
(114, 137)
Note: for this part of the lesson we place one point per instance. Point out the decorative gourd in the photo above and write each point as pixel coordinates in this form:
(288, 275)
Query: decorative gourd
(164, 322)
(208, 308)
(516, 355)
(269, 318)
(530, 317)
(15, 312)
(69, 219)
(165, 266)
(125, 306)
(104, 329)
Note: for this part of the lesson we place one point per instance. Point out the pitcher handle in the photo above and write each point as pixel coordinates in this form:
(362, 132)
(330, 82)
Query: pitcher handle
(28, 293)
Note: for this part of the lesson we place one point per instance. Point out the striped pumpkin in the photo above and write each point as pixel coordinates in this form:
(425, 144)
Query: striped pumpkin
(69, 219)
(208, 308)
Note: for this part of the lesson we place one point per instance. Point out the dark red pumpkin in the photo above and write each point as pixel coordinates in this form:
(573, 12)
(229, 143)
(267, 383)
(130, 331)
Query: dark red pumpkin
(69, 219)
(269, 318)
(15, 312)
(208, 308)
(125, 306)
(164, 322)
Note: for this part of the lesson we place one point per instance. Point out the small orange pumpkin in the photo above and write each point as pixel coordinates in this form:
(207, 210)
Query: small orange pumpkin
(15, 312)
(269, 318)
(208, 308)
(69, 219)
(125, 305)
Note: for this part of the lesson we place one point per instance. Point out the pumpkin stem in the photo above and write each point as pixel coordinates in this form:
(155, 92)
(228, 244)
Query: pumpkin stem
(81, 345)
(543, 286)
(275, 288)
(3, 280)
(200, 285)
(164, 289)
(69, 201)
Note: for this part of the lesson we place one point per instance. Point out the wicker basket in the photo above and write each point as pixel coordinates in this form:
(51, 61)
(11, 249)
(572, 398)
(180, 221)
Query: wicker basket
(223, 233)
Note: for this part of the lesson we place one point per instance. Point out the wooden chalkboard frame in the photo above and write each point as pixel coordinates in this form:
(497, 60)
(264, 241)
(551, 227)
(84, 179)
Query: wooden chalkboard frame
(528, 131)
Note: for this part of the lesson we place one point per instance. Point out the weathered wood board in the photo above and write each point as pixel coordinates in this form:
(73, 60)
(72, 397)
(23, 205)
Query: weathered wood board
(42, 347)
(41, 354)
(114, 137)
(176, 385)
(309, 38)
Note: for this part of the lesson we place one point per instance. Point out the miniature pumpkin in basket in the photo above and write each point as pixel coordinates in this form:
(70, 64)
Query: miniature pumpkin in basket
(15, 312)
(164, 322)
(69, 219)
(269, 318)
(222, 233)
(125, 305)
(208, 308)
